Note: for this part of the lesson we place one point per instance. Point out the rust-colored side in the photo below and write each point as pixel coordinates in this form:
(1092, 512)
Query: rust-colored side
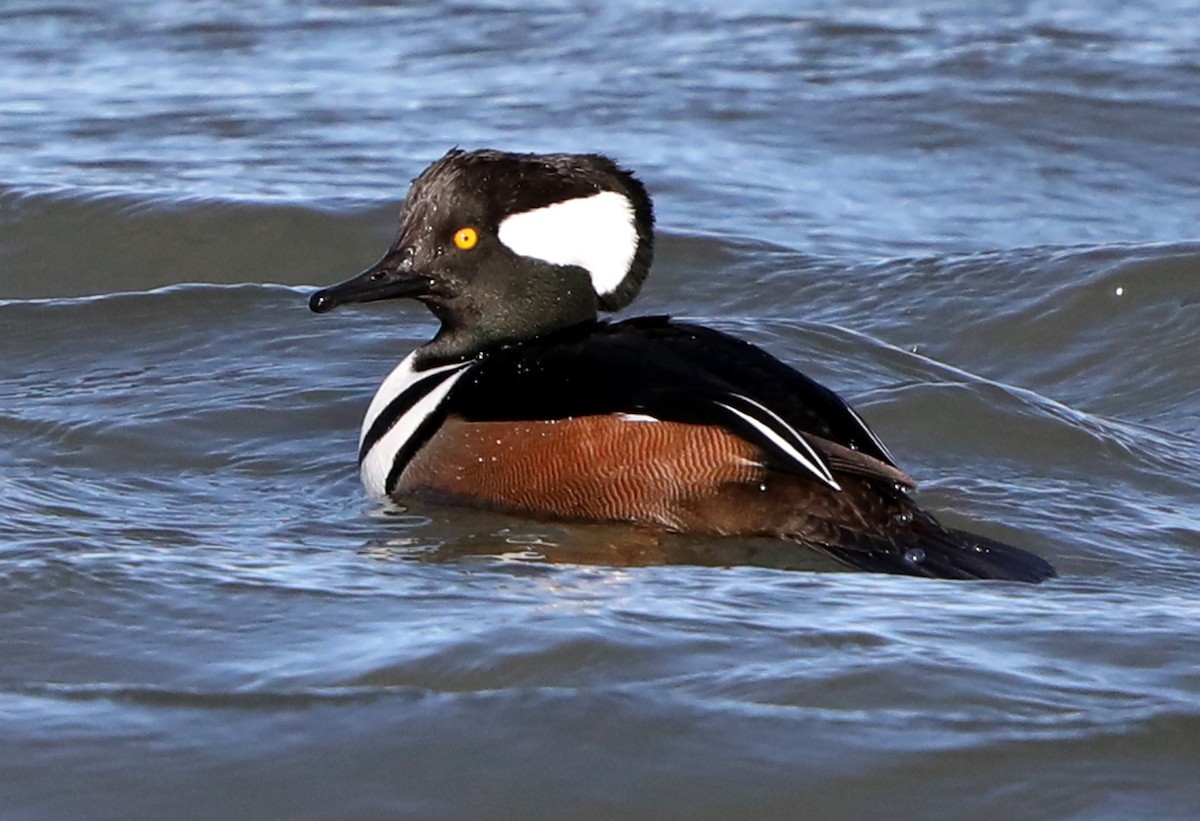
(700, 480)
(590, 467)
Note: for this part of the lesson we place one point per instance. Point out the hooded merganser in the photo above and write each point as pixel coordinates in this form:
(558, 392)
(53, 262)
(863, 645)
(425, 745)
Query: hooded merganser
(524, 401)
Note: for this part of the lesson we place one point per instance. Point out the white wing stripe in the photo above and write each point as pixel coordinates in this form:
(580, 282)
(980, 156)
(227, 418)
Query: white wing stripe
(784, 428)
(810, 460)
(871, 434)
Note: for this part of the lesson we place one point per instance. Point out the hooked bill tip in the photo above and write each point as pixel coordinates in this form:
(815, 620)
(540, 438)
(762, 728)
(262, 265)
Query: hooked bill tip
(320, 303)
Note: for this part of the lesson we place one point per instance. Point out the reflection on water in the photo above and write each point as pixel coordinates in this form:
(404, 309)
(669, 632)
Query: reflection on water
(465, 534)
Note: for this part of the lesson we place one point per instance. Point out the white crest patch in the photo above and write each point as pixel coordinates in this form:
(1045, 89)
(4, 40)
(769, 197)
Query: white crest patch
(378, 461)
(597, 233)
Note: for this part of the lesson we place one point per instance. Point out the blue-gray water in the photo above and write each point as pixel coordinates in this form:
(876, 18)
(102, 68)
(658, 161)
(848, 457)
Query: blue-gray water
(982, 226)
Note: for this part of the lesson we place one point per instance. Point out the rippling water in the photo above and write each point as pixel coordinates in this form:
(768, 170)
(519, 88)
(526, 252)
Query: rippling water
(981, 227)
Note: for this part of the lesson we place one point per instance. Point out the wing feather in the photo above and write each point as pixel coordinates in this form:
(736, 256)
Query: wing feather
(780, 437)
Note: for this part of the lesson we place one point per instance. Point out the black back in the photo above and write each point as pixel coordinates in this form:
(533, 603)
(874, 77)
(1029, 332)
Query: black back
(673, 371)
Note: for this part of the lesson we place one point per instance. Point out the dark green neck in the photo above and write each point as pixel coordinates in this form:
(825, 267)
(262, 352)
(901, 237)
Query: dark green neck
(540, 300)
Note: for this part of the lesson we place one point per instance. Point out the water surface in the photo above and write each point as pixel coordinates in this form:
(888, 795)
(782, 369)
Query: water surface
(979, 226)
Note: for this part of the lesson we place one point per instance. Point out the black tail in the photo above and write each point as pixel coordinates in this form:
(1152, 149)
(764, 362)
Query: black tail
(942, 553)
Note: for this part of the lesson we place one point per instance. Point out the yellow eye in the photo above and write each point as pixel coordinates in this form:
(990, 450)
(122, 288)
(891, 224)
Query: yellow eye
(466, 238)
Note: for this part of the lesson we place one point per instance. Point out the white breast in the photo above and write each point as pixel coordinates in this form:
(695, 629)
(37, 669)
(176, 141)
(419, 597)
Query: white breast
(377, 463)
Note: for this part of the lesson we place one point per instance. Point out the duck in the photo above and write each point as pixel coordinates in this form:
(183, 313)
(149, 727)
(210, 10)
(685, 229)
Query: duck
(529, 402)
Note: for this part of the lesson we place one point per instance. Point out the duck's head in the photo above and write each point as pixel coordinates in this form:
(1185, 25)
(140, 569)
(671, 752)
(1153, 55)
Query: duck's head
(503, 247)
